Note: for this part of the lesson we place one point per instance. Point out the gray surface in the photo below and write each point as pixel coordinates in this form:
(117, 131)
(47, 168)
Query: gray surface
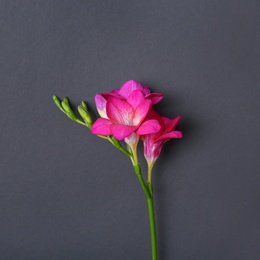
(65, 194)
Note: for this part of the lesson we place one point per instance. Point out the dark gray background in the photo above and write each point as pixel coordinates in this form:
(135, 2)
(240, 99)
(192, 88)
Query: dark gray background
(66, 194)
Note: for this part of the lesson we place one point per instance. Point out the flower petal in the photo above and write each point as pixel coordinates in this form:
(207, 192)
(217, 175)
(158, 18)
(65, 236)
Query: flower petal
(149, 127)
(101, 127)
(174, 134)
(101, 105)
(113, 93)
(128, 87)
(141, 112)
(146, 91)
(135, 98)
(122, 131)
(170, 124)
(155, 97)
(119, 111)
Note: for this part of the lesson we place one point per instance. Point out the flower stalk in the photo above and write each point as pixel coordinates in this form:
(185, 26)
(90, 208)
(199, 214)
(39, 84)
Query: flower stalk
(152, 227)
(147, 188)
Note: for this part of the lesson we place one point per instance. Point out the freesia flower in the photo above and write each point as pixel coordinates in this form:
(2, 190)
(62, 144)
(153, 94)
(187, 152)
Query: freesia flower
(127, 114)
(124, 117)
(123, 93)
(153, 142)
(132, 85)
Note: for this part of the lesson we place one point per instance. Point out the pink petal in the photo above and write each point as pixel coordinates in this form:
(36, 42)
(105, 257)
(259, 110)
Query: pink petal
(174, 134)
(135, 98)
(122, 131)
(146, 91)
(101, 127)
(155, 97)
(153, 114)
(101, 105)
(128, 87)
(149, 127)
(119, 111)
(170, 124)
(113, 93)
(141, 111)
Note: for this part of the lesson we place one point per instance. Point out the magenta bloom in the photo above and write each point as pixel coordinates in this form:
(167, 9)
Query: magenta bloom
(153, 142)
(123, 93)
(122, 117)
(130, 86)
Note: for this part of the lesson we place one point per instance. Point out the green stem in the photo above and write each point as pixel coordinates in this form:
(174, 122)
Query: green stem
(117, 144)
(80, 122)
(152, 227)
(147, 188)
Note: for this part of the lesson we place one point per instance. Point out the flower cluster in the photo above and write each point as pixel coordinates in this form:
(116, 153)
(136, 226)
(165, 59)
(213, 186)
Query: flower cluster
(128, 114)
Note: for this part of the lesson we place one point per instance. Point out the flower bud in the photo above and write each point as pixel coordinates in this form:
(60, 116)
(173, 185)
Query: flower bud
(57, 102)
(72, 116)
(84, 113)
(66, 106)
(84, 105)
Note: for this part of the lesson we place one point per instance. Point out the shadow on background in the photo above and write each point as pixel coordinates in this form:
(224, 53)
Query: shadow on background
(194, 131)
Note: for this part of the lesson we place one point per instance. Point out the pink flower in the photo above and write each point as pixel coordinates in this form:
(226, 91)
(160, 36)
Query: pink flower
(153, 142)
(132, 85)
(123, 116)
(123, 93)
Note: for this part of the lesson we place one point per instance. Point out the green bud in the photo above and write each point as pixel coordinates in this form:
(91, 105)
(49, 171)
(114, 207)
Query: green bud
(84, 105)
(85, 114)
(57, 101)
(66, 100)
(72, 116)
(66, 106)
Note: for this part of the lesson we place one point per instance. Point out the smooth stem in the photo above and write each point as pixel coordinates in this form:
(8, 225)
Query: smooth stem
(117, 144)
(122, 149)
(147, 188)
(152, 227)
(80, 122)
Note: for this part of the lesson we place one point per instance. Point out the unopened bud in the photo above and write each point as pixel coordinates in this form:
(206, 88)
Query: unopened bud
(57, 102)
(72, 116)
(65, 104)
(84, 105)
(85, 114)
